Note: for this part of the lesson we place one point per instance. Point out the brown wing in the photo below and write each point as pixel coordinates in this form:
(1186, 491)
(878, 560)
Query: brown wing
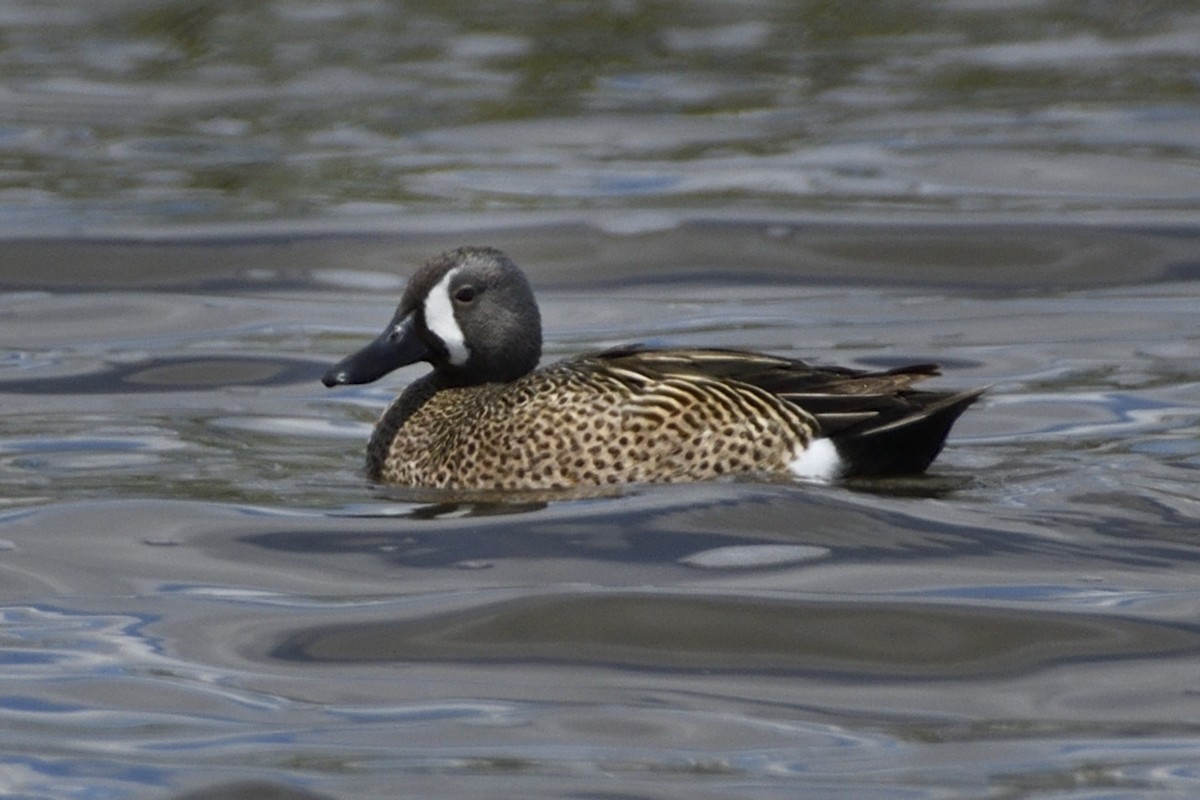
(878, 422)
(839, 397)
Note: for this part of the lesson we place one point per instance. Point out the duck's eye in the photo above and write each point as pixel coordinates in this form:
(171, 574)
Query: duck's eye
(464, 294)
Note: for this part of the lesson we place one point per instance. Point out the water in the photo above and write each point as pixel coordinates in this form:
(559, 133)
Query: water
(131, 114)
(202, 208)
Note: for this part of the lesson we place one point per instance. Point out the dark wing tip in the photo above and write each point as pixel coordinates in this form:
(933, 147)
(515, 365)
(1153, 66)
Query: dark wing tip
(905, 443)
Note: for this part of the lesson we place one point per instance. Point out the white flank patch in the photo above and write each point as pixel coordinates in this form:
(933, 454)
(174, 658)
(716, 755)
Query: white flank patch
(439, 318)
(817, 462)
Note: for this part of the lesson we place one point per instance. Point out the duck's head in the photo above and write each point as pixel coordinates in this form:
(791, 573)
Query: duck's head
(469, 312)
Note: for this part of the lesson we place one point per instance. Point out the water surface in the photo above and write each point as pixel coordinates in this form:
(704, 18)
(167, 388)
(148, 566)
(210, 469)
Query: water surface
(202, 207)
(200, 585)
(130, 114)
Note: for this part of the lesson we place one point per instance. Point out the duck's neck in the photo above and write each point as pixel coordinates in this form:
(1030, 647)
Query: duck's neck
(474, 374)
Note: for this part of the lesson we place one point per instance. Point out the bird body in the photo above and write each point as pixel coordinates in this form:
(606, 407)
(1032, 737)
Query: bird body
(485, 418)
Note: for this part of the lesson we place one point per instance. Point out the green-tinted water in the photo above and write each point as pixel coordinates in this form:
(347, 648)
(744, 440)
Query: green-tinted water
(137, 113)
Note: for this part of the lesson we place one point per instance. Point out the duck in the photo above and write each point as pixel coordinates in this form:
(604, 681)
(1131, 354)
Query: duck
(486, 417)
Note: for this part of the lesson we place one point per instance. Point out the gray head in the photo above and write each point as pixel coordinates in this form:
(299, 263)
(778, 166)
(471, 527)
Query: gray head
(469, 312)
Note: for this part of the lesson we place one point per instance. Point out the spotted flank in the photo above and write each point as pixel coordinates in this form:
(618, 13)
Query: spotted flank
(487, 418)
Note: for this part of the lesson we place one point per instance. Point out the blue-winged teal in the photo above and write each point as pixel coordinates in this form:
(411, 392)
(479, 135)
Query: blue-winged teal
(486, 418)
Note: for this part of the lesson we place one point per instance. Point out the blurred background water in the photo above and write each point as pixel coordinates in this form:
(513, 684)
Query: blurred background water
(149, 114)
(202, 204)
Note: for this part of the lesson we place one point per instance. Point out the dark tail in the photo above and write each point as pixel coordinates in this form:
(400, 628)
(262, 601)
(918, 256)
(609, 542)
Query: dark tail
(902, 445)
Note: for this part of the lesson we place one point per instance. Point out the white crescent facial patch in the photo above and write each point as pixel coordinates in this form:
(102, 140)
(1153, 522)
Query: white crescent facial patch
(439, 318)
